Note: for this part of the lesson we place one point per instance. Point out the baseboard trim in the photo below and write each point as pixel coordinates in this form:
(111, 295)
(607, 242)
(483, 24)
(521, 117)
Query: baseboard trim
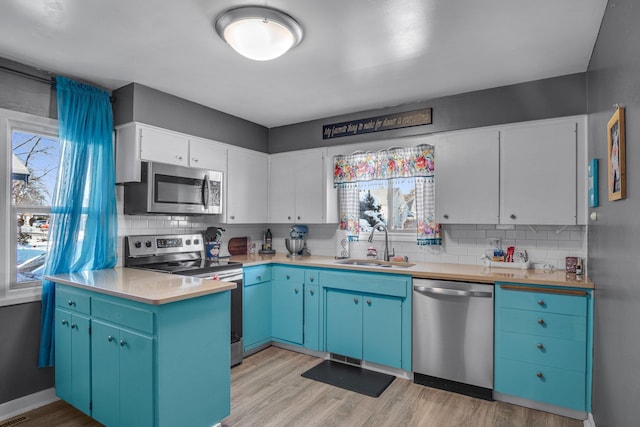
(26, 403)
(590, 422)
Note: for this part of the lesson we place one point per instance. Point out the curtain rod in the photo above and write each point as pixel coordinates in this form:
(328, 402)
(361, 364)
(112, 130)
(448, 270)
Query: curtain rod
(51, 81)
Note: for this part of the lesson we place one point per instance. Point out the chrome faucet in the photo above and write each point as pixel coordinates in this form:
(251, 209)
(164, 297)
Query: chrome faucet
(382, 227)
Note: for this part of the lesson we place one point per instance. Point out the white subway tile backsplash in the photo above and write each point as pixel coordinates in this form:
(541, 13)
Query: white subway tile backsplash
(516, 234)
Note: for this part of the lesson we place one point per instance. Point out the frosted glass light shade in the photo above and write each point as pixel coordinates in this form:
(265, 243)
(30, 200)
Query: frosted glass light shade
(258, 33)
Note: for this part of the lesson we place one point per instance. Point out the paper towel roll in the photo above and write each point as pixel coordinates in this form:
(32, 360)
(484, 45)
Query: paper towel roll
(342, 244)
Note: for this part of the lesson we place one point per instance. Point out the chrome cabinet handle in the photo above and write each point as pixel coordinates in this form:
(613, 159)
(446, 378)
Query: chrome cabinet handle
(312, 292)
(258, 277)
(512, 216)
(540, 321)
(368, 302)
(65, 322)
(288, 277)
(355, 300)
(311, 278)
(540, 302)
(445, 216)
(232, 217)
(539, 375)
(110, 338)
(193, 159)
(296, 290)
(123, 343)
(298, 216)
(289, 217)
(71, 303)
(74, 326)
(179, 157)
(540, 346)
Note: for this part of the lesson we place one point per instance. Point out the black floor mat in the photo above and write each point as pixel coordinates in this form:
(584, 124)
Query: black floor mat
(352, 378)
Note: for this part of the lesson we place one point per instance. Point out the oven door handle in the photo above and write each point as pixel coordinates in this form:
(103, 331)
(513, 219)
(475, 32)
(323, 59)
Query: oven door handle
(234, 278)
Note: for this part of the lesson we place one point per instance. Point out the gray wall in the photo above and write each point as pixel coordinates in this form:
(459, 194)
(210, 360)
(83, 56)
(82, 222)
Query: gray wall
(139, 103)
(541, 99)
(20, 324)
(614, 239)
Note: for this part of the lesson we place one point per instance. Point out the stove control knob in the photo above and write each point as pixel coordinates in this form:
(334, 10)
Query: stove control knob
(138, 244)
(148, 243)
(196, 241)
(216, 277)
(187, 242)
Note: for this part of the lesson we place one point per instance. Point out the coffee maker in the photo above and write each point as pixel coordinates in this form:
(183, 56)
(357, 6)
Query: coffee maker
(296, 244)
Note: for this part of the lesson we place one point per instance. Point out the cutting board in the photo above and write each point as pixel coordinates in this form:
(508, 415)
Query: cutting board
(237, 246)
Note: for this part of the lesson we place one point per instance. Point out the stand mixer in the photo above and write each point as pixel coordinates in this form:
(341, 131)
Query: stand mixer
(297, 243)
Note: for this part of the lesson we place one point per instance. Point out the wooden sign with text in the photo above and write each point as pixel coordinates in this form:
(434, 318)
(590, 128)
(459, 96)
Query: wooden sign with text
(378, 124)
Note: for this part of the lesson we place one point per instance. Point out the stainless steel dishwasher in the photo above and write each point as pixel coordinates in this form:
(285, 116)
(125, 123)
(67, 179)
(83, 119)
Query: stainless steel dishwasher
(453, 336)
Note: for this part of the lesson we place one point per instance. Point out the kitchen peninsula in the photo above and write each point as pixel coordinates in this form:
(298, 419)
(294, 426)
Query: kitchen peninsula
(139, 348)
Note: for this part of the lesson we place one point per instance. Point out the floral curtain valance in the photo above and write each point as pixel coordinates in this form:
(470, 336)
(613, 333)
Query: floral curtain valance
(386, 164)
(353, 171)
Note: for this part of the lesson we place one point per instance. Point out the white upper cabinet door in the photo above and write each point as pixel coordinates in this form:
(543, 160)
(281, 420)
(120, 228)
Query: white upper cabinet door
(309, 181)
(467, 177)
(207, 155)
(164, 147)
(296, 187)
(247, 187)
(538, 173)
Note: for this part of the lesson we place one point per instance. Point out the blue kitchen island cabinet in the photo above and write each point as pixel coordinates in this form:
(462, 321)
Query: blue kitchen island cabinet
(256, 307)
(368, 317)
(72, 350)
(164, 363)
(543, 347)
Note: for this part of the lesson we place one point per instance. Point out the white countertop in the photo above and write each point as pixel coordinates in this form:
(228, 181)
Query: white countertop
(432, 270)
(140, 285)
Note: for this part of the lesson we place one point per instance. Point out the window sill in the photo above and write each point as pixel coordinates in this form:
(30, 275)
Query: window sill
(22, 298)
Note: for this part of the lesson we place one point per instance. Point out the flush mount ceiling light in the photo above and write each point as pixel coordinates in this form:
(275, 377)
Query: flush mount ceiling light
(259, 33)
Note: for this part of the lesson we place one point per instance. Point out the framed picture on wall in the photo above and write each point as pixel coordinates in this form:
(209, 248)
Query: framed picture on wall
(617, 177)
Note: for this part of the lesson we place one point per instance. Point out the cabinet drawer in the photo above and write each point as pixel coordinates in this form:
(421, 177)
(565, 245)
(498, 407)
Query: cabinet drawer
(287, 275)
(543, 301)
(541, 383)
(548, 351)
(258, 274)
(544, 324)
(124, 315)
(73, 301)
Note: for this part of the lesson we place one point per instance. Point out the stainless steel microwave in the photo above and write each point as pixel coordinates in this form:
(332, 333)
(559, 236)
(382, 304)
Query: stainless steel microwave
(169, 189)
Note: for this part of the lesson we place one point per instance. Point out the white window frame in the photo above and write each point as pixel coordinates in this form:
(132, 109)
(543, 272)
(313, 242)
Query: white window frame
(10, 121)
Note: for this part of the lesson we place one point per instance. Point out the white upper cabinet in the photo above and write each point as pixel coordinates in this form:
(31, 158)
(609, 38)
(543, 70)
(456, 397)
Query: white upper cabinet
(247, 187)
(467, 177)
(207, 155)
(296, 187)
(136, 142)
(538, 173)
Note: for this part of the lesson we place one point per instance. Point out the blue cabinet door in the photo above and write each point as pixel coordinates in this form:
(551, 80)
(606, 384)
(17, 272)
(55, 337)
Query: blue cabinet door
(73, 368)
(344, 323)
(287, 290)
(136, 379)
(381, 330)
(256, 315)
(104, 372)
(311, 317)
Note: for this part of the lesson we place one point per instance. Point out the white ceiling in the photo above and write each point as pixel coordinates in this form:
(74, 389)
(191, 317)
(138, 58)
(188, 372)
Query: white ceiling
(355, 55)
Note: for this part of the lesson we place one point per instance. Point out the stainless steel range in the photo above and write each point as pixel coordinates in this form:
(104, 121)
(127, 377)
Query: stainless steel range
(184, 254)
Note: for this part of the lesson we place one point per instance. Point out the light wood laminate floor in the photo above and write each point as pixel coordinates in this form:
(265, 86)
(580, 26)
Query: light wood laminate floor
(267, 390)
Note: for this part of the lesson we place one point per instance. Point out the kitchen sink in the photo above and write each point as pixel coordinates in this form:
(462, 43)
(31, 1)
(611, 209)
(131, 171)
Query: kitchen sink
(375, 263)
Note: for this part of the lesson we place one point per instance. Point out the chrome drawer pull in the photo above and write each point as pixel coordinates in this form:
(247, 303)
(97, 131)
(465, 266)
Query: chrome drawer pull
(540, 346)
(65, 322)
(539, 375)
(355, 300)
(541, 303)
(110, 338)
(312, 292)
(540, 321)
(123, 343)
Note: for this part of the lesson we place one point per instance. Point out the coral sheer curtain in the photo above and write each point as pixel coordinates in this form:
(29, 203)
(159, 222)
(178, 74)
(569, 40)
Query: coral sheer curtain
(83, 233)
(360, 167)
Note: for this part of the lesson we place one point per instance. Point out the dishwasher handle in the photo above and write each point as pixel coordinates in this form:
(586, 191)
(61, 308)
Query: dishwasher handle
(451, 292)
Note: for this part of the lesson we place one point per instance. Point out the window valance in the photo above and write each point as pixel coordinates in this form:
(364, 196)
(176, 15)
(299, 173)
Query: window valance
(386, 164)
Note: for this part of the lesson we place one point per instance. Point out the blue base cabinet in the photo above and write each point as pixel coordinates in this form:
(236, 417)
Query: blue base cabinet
(543, 344)
(256, 306)
(287, 287)
(146, 365)
(367, 316)
(72, 349)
